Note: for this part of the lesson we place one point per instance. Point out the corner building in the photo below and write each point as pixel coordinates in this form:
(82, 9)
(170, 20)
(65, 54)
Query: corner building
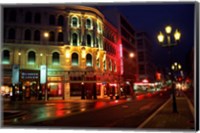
(77, 45)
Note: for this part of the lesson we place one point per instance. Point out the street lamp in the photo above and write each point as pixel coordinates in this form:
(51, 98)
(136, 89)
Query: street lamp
(176, 67)
(46, 36)
(170, 43)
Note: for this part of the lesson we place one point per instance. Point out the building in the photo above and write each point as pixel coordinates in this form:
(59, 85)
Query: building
(127, 48)
(146, 67)
(62, 52)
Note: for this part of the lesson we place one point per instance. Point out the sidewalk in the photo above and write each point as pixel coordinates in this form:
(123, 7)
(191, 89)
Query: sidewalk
(164, 118)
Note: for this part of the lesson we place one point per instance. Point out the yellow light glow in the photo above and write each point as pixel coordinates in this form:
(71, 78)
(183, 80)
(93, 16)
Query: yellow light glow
(67, 54)
(19, 53)
(175, 63)
(83, 54)
(173, 67)
(160, 37)
(132, 55)
(177, 35)
(179, 66)
(46, 34)
(168, 29)
(41, 54)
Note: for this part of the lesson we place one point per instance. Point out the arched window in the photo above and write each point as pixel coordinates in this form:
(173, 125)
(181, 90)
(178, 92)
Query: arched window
(56, 58)
(28, 17)
(52, 20)
(88, 60)
(27, 34)
(51, 36)
(37, 18)
(60, 37)
(31, 57)
(12, 16)
(74, 59)
(11, 34)
(89, 40)
(60, 20)
(110, 65)
(88, 23)
(6, 57)
(74, 22)
(74, 39)
(37, 35)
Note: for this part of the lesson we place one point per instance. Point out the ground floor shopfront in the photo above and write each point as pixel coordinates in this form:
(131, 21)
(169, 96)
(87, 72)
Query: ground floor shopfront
(62, 85)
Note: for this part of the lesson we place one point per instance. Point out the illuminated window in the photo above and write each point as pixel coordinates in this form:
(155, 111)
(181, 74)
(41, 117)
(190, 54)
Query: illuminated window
(37, 18)
(11, 34)
(37, 35)
(74, 59)
(27, 34)
(28, 17)
(104, 65)
(56, 58)
(88, 23)
(89, 40)
(74, 39)
(88, 60)
(6, 57)
(74, 22)
(31, 57)
(60, 20)
(52, 20)
(60, 37)
(98, 64)
(110, 65)
(51, 36)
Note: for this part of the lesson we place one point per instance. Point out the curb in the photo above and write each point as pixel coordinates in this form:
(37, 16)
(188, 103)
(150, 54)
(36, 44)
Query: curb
(151, 116)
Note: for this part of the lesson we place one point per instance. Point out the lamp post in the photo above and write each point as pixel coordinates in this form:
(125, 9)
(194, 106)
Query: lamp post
(46, 36)
(171, 42)
(176, 67)
(20, 84)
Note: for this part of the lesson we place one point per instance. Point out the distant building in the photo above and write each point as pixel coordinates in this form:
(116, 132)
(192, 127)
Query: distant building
(146, 67)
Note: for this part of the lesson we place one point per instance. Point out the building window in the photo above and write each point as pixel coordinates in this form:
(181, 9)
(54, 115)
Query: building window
(110, 65)
(37, 18)
(28, 17)
(104, 64)
(98, 64)
(74, 59)
(11, 34)
(37, 35)
(56, 58)
(141, 69)
(74, 39)
(12, 16)
(51, 36)
(27, 35)
(6, 57)
(89, 39)
(141, 56)
(60, 37)
(89, 60)
(60, 20)
(52, 20)
(74, 22)
(88, 23)
(31, 57)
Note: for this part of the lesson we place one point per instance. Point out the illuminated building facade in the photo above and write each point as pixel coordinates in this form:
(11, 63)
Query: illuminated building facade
(77, 45)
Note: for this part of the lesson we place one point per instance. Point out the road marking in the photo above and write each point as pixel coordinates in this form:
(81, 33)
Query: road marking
(149, 118)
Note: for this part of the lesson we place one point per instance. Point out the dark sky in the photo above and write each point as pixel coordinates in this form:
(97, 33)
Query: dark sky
(152, 18)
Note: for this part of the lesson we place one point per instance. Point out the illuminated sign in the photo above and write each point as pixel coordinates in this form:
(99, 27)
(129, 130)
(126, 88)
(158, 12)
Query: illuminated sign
(43, 74)
(15, 74)
(29, 75)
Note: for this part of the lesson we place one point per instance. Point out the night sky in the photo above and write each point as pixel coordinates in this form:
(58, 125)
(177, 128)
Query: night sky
(152, 18)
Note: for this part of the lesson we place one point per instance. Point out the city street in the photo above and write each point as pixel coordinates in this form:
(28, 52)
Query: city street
(108, 113)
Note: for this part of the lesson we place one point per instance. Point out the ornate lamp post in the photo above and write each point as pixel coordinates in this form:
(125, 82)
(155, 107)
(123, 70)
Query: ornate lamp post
(176, 67)
(169, 44)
